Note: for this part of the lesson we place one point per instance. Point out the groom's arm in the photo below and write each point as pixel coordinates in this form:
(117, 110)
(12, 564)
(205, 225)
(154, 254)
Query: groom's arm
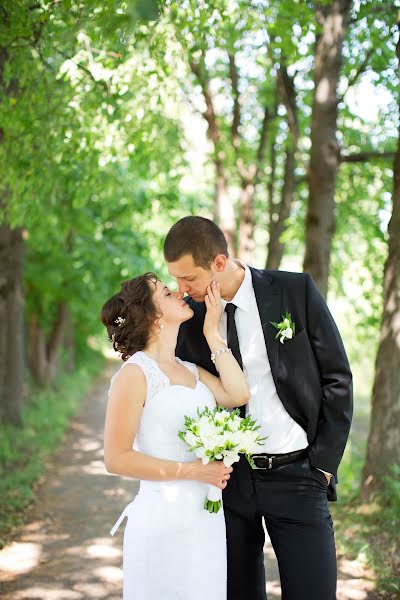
(336, 381)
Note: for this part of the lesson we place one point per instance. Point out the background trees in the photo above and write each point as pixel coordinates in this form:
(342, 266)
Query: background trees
(278, 119)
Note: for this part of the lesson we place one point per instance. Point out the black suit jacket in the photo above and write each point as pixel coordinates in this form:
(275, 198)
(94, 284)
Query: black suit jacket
(311, 371)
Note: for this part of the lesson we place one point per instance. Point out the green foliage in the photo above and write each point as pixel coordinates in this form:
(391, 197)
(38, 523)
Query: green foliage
(89, 150)
(390, 496)
(368, 532)
(24, 451)
(99, 148)
(96, 147)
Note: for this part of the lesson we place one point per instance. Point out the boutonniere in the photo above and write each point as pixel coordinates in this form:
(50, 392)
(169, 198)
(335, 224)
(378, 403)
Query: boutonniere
(286, 328)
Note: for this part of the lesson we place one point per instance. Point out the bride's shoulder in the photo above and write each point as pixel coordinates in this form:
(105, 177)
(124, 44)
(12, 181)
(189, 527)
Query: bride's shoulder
(129, 371)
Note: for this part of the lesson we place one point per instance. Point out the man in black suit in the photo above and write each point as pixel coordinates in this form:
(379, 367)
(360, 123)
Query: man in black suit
(301, 393)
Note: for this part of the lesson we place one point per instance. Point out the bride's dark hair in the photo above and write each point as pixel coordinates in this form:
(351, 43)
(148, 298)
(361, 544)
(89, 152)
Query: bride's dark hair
(129, 315)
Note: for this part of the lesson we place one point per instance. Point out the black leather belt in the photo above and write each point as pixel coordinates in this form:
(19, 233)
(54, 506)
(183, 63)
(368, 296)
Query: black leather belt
(269, 461)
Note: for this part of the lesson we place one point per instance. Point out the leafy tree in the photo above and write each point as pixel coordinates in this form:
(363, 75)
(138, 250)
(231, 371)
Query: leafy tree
(383, 448)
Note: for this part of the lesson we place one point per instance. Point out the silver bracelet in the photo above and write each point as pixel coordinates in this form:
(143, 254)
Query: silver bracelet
(218, 352)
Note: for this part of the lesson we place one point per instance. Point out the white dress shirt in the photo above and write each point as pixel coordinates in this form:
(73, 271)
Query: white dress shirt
(282, 432)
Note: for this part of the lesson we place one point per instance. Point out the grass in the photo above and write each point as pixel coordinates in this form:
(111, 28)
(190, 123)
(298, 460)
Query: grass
(23, 451)
(368, 531)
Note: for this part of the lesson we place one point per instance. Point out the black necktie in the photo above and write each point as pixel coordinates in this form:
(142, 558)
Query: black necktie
(233, 340)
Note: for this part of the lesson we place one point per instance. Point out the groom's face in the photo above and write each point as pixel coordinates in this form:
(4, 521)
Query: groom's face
(191, 279)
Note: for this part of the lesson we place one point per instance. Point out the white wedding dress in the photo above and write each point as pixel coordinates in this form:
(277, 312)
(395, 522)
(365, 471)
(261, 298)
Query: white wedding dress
(174, 549)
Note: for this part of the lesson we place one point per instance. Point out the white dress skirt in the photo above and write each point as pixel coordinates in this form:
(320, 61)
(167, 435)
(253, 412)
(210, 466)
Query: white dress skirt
(174, 549)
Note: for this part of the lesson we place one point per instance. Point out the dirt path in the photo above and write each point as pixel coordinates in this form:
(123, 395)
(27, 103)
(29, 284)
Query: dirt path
(65, 551)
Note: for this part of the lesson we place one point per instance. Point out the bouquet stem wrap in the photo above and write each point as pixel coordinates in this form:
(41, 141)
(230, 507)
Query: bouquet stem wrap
(213, 502)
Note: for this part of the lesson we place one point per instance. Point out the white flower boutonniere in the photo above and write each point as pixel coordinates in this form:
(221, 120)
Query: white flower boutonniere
(286, 328)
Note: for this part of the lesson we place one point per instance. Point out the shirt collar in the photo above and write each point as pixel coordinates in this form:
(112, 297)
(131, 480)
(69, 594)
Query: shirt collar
(242, 297)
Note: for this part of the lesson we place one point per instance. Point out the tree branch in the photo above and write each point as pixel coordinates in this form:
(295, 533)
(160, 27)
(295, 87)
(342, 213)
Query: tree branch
(365, 156)
(288, 94)
(262, 143)
(84, 69)
(361, 69)
(233, 73)
(209, 114)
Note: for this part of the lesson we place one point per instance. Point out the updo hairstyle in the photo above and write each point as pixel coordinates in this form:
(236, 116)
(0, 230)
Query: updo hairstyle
(129, 315)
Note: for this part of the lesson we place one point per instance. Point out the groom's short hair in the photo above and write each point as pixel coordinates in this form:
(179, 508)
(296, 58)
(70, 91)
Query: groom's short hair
(197, 236)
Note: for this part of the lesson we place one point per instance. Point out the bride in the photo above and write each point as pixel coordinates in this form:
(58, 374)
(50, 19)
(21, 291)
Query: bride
(174, 549)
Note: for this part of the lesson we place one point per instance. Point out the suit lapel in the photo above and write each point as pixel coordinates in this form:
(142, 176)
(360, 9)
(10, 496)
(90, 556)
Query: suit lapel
(268, 297)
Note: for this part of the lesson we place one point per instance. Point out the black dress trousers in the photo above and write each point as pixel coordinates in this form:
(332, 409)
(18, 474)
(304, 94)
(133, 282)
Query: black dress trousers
(293, 501)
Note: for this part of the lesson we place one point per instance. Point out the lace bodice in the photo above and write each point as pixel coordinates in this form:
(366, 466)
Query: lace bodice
(156, 380)
(165, 409)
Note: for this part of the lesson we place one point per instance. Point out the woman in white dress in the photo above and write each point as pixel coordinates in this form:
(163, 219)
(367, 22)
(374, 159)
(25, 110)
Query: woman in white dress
(174, 549)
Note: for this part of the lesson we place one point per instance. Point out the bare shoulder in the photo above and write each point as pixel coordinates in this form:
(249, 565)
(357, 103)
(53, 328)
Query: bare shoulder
(129, 378)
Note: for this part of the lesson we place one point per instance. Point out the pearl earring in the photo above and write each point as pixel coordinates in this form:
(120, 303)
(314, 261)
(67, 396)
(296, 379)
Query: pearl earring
(161, 326)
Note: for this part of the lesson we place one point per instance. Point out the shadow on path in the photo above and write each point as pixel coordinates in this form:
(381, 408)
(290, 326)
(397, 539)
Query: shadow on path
(65, 552)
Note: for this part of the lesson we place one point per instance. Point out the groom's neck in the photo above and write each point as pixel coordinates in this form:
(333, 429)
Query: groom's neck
(231, 279)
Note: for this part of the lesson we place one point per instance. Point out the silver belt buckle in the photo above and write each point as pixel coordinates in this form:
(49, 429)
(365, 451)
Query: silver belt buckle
(260, 468)
(269, 462)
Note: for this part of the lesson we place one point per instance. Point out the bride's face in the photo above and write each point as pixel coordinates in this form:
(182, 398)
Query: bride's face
(171, 305)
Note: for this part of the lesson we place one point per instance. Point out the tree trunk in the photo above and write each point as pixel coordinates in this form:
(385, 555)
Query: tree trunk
(11, 293)
(250, 177)
(246, 229)
(324, 160)
(224, 213)
(37, 351)
(12, 324)
(271, 189)
(383, 449)
(277, 227)
(287, 93)
(69, 341)
(55, 342)
(43, 354)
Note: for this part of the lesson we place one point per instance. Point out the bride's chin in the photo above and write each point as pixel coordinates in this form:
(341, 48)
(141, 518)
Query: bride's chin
(189, 315)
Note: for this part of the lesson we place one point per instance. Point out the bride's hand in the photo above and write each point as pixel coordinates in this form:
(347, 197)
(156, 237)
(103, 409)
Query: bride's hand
(214, 473)
(214, 311)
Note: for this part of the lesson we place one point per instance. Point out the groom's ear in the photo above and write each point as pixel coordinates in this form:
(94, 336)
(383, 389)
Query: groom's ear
(219, 262)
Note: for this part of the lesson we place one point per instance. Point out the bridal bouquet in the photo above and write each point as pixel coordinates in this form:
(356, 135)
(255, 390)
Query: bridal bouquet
(220, 435)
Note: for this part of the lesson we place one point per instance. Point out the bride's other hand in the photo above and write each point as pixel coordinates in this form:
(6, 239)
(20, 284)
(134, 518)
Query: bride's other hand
(214, 311)
(214, 473)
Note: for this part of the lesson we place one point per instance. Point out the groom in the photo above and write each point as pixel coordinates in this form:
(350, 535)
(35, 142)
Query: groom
(301, 395)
